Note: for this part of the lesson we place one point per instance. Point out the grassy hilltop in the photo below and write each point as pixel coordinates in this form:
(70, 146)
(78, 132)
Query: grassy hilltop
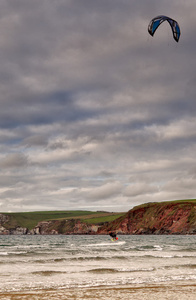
(31, 219)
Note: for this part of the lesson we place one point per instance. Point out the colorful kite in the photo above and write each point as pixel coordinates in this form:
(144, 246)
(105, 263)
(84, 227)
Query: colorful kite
(155, 22)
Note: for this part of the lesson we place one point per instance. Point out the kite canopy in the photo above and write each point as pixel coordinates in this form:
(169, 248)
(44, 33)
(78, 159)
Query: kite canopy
(155, 22)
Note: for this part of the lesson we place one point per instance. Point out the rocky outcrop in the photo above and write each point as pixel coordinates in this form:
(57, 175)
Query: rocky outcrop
(156, 218)
(3, 219)
(69, 226)
(14, 231)
(3, 230)
(66, 226)
(18, 231)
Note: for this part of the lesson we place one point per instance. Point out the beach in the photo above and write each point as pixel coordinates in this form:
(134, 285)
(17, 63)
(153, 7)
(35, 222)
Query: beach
(94, 267)
(173, 291)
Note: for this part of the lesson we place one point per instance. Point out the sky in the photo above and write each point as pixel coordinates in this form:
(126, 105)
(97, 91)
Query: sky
(96, 114)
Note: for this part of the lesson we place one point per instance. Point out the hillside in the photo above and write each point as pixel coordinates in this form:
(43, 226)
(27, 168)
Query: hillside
(27, 222)
(174, 217)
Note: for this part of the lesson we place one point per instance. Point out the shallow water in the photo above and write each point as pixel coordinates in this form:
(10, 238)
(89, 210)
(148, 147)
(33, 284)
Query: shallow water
(58, 262)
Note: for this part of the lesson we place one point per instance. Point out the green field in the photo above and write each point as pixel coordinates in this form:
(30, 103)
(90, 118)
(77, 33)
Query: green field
(104, 219)
(31, 219)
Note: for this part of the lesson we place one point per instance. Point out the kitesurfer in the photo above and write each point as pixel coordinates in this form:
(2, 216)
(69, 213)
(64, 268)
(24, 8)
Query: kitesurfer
(113, 235)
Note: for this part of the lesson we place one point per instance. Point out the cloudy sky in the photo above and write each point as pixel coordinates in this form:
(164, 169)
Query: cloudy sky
(94, 112)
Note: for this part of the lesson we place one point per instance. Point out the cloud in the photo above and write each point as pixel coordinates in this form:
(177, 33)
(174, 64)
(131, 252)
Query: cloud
(35, 140)
(105, 191)
(140, 189)
(15, 160)
(94, 111)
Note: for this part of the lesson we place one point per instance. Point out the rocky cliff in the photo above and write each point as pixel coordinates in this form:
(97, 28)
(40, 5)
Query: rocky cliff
(71, 226)
(66, 226)
(177, 217)
(156, 218)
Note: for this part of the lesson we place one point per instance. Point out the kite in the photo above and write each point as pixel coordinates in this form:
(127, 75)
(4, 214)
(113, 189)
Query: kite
(155, 22)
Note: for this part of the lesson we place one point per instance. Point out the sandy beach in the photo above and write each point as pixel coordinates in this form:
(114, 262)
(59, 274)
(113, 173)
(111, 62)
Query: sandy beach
(173, 291)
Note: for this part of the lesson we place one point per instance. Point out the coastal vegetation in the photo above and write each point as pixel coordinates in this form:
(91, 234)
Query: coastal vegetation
(31, 219)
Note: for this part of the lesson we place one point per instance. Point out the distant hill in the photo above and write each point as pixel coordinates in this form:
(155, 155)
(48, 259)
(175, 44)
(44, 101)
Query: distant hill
(29, 221)
(170, 217)
(175, 217)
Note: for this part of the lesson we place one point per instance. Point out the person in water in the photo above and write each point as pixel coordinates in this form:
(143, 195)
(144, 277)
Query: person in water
(113, 235)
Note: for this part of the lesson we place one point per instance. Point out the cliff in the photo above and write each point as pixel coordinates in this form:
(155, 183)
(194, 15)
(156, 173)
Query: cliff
(177, 217)
(71, 226)
(65, 226)
(156, 218)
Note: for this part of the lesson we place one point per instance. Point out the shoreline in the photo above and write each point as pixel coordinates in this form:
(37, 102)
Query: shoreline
(177, 290)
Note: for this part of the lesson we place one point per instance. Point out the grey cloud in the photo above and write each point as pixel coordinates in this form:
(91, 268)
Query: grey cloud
(14, 160)
(140, 189)
(105, 191)
(36, 140)
(92, 104)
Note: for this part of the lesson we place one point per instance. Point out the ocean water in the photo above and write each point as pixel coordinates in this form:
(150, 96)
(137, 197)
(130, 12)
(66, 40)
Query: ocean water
(58, 262)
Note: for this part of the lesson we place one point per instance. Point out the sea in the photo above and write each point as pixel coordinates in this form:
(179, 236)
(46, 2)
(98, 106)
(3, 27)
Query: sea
(56, 262)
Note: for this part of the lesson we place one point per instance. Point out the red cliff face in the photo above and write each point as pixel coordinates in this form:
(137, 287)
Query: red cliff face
(156, 218)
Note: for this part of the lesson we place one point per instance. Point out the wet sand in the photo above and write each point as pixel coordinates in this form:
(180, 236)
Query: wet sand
(174, 291)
